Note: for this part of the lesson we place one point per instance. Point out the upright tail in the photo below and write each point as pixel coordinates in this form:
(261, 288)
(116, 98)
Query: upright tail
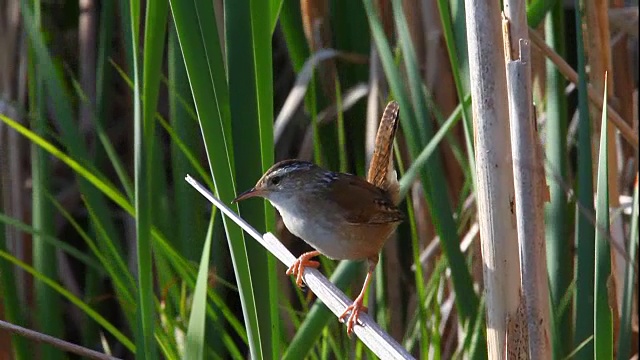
(381, 170)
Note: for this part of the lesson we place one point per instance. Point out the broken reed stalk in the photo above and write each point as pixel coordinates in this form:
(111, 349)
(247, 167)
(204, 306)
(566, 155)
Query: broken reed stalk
(528, 173)
(529, 184)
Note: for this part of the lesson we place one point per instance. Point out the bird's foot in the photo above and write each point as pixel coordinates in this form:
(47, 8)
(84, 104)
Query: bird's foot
(298, 266)
(355, 310)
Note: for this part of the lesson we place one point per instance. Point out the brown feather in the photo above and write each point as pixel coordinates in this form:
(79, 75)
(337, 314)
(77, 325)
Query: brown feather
(382, 159)
(367, 203)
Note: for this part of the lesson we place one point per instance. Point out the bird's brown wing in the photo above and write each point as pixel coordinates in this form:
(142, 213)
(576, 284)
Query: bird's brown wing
(367, 203)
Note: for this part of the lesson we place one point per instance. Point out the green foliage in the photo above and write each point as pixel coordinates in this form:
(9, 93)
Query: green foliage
(585, 233)
(156, 277)
(603, 332)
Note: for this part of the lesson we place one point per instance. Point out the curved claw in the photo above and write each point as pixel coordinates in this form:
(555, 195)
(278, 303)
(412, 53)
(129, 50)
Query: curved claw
(297, 268)
(355, 310)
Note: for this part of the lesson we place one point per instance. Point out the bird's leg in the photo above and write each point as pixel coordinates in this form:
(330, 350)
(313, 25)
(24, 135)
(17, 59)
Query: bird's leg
(357, 306)
(303, 261)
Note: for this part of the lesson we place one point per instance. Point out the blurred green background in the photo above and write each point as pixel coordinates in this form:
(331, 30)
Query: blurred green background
(107, 105)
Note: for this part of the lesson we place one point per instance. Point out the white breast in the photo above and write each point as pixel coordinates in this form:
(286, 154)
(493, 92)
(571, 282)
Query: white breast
(313, 230)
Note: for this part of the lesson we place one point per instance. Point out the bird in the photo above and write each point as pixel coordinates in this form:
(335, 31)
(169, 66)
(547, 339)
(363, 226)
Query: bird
(342, 216)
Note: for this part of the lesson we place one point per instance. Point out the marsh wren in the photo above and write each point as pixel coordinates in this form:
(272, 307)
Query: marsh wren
(341, 215)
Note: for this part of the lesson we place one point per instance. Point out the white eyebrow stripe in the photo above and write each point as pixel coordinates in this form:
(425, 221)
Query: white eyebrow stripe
(291, 167)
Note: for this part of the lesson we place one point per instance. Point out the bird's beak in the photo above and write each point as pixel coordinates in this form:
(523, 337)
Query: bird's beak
(253, 192)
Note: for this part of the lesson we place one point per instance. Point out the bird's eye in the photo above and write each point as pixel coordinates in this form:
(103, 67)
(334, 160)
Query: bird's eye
(275, 180)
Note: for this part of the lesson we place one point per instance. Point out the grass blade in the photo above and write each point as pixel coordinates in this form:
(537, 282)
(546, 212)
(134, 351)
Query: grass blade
(194, 347)
(146, 88)
(184, 136)
(559, 257)
(603, 331)
(199, 41)
(248, 51)
(47, 302)
(585, 233)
